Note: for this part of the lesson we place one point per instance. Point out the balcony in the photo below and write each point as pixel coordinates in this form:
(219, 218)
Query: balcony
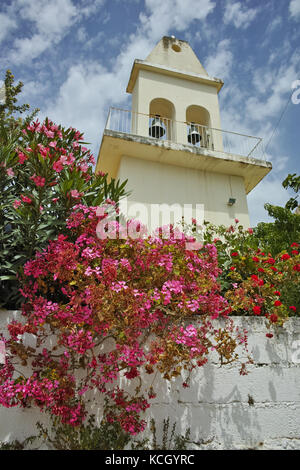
(158, 139)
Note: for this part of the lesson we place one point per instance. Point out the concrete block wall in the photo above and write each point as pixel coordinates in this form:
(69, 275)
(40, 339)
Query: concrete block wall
(223, 409)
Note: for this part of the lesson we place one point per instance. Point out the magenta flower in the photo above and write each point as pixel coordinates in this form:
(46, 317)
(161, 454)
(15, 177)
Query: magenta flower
(26, 199)
(38, 180)
(57, 166)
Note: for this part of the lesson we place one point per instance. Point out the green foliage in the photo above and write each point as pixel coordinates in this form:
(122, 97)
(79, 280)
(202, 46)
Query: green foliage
(170, 440)
(30, 150)
(293, 182)
(9, 107)
(105, 436)
(89, 436)
(277, 236)
(17, 445)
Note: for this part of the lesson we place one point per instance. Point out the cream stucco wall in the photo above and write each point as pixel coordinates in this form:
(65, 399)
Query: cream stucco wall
(157, 183)
(182, 93)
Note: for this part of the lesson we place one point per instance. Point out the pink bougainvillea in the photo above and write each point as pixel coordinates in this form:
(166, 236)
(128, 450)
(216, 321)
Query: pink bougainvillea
(114, 308)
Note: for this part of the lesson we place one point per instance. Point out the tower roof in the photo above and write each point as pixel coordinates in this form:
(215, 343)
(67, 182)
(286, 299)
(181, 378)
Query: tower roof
(175, 53)
(175, 57)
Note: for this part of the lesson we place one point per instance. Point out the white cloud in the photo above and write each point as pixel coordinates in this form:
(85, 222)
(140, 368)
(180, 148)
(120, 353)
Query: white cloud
(274, 83)
(7, 25)
(84, 99)
(51, 22)
(49, 18)
(172, 14)
(220, 64)
(294, 9)
(89, 7)
(82, 34)
(239, 14)
(91, 88)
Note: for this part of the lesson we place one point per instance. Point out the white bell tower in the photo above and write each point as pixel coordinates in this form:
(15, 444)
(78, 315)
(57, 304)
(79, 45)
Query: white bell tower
(170, 145)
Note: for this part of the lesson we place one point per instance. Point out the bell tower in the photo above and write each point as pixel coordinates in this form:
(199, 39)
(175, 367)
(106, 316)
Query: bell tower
(170, 145)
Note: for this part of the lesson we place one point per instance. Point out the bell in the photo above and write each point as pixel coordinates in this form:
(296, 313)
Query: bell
(194, 137)
(156, 129)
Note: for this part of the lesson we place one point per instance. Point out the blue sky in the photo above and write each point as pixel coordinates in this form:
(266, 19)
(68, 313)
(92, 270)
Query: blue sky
(75, 57)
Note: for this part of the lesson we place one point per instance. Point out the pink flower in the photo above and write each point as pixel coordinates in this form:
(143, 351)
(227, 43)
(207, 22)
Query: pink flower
(250, 230)
(16, 204)
(236, 221)
(10, 172)
(57, 166)
(75, 194)
(84, 167)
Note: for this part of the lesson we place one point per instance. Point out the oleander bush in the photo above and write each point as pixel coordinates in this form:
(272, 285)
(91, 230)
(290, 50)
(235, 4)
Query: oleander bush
(45, 169)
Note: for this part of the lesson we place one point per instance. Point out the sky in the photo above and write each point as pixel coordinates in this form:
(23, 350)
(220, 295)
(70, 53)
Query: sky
(75, 56)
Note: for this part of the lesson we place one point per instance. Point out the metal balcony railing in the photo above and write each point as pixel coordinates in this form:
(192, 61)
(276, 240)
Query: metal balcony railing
(188, 133)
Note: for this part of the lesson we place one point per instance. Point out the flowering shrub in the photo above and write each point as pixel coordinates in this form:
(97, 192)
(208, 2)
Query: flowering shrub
(45, 170)
(114, 309)
(273, 288)
(255, 282)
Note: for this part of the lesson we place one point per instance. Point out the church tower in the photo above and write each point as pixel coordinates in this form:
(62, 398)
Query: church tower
(170, 145)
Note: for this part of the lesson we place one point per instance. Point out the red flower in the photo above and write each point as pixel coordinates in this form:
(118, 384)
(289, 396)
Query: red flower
(277, 303)
(255, 259)
(22, 157)
(26, 199)
(38, 180)
(261, 270)
(297, 268)
(234, 254)
(256, 310)
(274, 269)
(276, 292)
(295, 244)
(273, 318)
(285, 257)
(295, 252)
(269, 335)
(232, 268)
(292, 308)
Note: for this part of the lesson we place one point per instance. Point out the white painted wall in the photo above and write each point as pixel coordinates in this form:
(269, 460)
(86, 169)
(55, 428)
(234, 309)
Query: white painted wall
(157, 183)
(216, 406)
